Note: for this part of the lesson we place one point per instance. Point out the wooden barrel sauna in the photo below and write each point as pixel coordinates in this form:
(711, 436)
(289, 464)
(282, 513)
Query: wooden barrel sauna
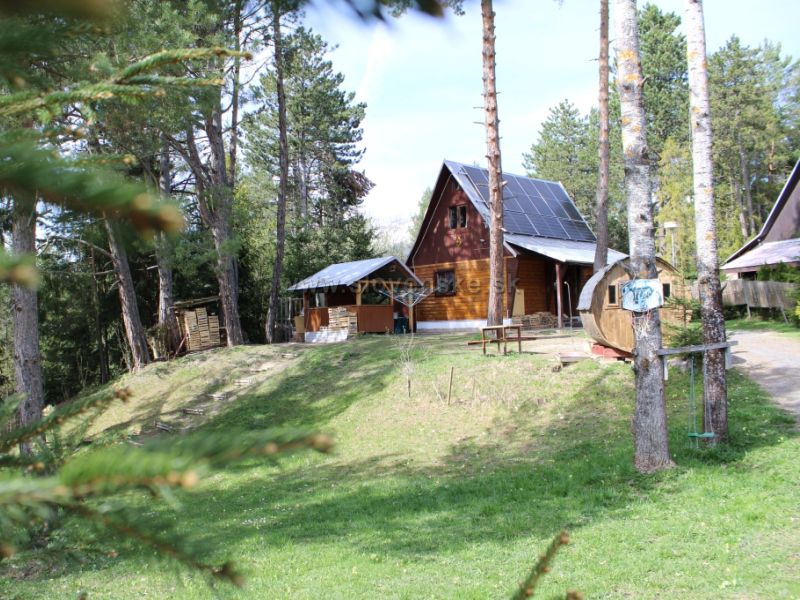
(601, 310)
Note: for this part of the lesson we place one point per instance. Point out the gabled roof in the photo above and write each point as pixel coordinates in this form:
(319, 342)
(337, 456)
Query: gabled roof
(538, 215)
(780, 203)
(534, 207)
(346, 274)
(768, 253)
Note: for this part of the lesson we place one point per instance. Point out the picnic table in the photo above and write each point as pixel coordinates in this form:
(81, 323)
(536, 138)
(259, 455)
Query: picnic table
(501, 336)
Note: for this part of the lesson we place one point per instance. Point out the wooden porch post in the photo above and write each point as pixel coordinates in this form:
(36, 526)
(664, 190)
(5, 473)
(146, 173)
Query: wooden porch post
(559, 283)
(358, 294)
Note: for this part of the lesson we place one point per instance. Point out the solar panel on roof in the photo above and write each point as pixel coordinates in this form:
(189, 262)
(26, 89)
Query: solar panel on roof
(577, 230)
(531, 206)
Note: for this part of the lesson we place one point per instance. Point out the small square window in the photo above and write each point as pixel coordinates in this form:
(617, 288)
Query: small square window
(612, 295)
(667, 290)
(458, 216)
(445, 283)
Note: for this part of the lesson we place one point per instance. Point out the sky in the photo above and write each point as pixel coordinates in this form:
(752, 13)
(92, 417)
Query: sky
(422, 80)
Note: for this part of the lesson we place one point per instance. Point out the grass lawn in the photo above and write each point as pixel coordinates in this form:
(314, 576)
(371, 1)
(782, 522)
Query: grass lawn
(425, 498)
(759, 324)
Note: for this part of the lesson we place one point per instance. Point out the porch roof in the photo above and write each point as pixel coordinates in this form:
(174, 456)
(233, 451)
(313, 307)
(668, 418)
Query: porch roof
(565, 251)
(346, 274)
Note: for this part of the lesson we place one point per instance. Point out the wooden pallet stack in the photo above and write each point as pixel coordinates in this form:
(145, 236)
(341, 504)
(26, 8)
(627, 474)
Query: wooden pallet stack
(201, 329)
(340, 318)
(539, 320)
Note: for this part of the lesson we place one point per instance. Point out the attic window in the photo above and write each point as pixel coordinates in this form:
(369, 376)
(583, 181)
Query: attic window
(458, 216)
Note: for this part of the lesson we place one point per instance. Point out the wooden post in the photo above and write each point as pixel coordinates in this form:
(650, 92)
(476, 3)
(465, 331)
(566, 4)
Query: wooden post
(450, 387)
(358, 294)
(411, 318)
(559, 283)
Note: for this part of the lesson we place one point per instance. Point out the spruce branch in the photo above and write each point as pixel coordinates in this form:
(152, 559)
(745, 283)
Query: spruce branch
(18, 269)
(27, 169)
(542, 566)
(167, 57)
(225, 571)
(59, 416)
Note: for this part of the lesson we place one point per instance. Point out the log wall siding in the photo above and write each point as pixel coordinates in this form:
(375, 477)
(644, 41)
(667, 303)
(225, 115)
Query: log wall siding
(472, 288)
(472, 292)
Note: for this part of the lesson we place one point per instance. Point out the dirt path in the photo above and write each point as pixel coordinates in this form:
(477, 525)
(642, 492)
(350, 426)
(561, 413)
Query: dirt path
(773, 361)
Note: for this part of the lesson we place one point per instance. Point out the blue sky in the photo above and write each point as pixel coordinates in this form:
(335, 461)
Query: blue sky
(421, 80)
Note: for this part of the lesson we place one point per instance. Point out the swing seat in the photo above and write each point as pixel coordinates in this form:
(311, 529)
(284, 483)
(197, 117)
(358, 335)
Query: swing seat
(706, 435)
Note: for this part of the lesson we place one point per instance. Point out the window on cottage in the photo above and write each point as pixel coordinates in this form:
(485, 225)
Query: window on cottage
(612, 295)
(445, 283)
(667, 290)
(458, 216)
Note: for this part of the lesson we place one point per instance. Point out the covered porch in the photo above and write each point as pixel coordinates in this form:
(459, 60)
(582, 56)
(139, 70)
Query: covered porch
(364, 289)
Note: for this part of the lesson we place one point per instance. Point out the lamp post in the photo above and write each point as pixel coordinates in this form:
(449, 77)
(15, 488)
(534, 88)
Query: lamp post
(671, 226)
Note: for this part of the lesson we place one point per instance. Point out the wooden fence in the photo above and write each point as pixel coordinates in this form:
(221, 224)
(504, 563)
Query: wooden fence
(755, 294)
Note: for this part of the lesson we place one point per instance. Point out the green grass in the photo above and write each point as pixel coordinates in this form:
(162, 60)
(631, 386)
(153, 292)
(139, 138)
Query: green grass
(760, 324)
(429, 499)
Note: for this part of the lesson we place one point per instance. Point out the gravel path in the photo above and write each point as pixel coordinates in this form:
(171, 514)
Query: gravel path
(773, 361)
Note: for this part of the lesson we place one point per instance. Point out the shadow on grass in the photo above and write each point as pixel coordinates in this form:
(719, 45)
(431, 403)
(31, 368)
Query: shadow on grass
(528, 481)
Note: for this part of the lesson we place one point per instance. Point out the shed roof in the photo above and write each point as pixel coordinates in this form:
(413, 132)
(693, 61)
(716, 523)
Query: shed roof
(346, 274)
(780, 204)
(768, 253)
(566, 251)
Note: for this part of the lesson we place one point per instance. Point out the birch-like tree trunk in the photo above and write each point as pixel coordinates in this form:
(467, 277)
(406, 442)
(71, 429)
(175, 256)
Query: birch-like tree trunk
(715, 400)
(134, 331)
(496, 279)
(651, 444)
(280, 234)
(25, 319)
(601, 251)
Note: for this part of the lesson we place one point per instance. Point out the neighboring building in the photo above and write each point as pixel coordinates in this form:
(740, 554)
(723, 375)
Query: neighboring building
(779, 238)
(549, 249)
(352, 285)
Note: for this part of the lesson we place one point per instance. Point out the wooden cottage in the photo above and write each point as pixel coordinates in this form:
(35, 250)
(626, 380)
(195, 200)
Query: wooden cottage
(779, 238)
(361, 290)
(601, 310)
(548, 249)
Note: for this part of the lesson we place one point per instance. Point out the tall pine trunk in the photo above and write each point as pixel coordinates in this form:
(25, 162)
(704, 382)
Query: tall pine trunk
(167, 318)
(496, 278)
(134, 331)
(280, 233)
(745, 170)
(601, 251)
(651, 444)
(715, 385)
(25, 319)
(102, 351)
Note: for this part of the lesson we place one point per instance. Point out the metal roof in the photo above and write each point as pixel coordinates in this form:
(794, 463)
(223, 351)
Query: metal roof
(534, 207)
(566, 251)
(346, 274)
(768, 253)
(783, 198)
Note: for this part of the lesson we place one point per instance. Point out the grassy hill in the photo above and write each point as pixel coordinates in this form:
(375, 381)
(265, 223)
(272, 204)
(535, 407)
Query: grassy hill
(448, 493)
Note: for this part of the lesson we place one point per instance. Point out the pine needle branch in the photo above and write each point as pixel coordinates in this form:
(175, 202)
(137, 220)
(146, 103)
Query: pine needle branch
(542, 566)
(18, 269)
(59, 416)
(167, 57)
(225, 571)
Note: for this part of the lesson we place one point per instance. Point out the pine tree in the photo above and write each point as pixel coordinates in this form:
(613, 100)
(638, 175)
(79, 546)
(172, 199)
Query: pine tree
(601, 211)
(492, 123)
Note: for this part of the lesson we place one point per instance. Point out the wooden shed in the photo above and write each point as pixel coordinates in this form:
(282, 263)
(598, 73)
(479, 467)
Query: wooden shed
(601, 310)
(199, 323)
